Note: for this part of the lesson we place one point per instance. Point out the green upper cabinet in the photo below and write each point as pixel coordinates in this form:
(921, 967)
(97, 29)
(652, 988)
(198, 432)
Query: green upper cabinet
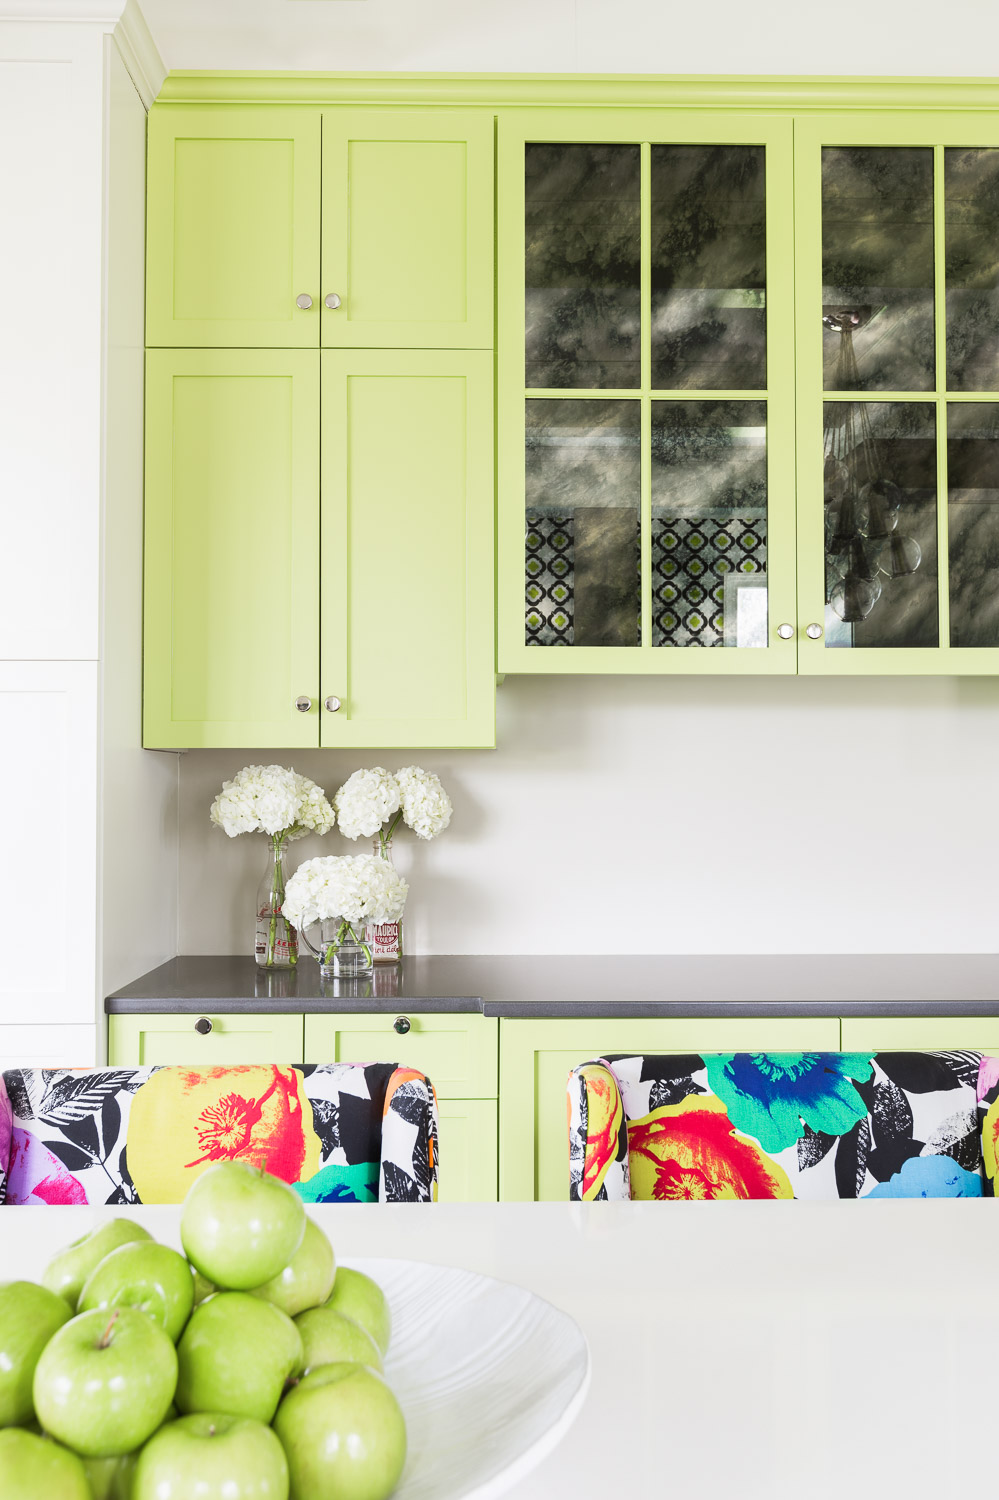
(646, 392)
(233, 227)
(231, 637)
(287, 227)
(407, 548)
(407, 229)
(897, 224)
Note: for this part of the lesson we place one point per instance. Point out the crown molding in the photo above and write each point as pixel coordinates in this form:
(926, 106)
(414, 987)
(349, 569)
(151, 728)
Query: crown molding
(565, 89)
(139, 53)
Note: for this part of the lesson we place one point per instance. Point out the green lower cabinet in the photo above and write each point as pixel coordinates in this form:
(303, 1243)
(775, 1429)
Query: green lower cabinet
(921, 1034)
(458, 1053)
(536, 1058)
(160, 1041)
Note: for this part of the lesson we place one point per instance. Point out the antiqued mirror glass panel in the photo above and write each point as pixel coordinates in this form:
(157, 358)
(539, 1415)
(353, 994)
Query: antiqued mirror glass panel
(877, 268)
(971, 191)
(709, 320)
(973, 522)
(583, 266)
(709, 523)
(880, 523)
(583, 542)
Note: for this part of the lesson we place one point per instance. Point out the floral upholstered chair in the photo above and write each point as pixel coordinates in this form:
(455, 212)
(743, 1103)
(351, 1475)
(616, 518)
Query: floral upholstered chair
(816, 1125)
(338, 1132)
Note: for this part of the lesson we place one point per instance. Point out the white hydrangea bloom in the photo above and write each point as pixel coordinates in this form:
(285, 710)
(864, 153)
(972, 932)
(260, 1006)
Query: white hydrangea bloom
(274, 800)
(365, 801)
(426, 806)
(357, 887)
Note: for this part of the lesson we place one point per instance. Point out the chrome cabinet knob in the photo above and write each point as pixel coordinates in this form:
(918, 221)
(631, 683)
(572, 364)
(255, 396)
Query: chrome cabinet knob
(332, 301)
(402, 1024)
(333, 703)
(785, 632)
(203, 1027)
(303, 704)
(303, 300)
(814, 632)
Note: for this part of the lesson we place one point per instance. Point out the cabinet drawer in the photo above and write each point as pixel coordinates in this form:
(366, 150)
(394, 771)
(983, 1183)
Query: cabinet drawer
(136, 1041)
(921, 1034)
(537, 1057)
(458, 1053)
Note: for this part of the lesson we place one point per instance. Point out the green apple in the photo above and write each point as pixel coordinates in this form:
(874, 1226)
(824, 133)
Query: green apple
(328, 1337)
(214, 1457)
(240, 1226)
(358, 1297)
(34, 1468)
(307, 1279)
(103, 1386)
(29, 1316)
(145, 1275)
(235, 1355)
(203, 1288)
(66, 1274)
(112, 1478)
(343, 1434)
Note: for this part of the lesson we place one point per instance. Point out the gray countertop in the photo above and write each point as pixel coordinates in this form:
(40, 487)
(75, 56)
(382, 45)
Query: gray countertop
(639, 986)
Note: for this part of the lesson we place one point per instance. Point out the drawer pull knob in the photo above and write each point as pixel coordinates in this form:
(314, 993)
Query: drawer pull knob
(204, 1026)
(785, 632)
(303, 704)
(402, 1024)
(304, 301)
(332, 301)
(333, 704)
(814, 632)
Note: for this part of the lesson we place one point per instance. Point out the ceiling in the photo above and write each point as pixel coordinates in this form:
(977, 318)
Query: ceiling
(871, 37)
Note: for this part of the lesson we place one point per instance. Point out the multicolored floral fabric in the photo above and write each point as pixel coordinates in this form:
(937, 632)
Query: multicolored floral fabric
(818, 1125)
(338, 1132)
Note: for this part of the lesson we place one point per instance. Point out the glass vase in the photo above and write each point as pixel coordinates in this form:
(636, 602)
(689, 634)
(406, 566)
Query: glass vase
(384, 938)
(276, 942)
(343, 952)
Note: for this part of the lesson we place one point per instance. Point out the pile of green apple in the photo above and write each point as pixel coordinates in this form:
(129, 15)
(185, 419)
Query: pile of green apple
(248, 1368)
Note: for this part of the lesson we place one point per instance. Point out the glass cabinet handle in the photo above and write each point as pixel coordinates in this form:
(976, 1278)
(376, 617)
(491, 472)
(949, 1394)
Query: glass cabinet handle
(303, 300)
(785, 632)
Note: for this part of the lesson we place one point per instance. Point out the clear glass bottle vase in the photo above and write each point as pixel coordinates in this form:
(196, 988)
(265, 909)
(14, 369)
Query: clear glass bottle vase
(276, 941)
(384, 938)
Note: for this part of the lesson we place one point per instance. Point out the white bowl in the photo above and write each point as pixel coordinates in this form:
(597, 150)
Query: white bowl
(489, 1377)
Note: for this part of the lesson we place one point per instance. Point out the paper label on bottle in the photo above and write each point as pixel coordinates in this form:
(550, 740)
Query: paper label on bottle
(385, 941)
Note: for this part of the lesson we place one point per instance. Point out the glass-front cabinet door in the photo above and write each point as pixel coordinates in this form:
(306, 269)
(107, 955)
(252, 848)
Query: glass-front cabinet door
(897, 236)
(646, 393)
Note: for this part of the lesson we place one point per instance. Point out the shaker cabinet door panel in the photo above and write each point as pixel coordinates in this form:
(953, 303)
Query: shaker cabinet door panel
(233, 234)
(407, 229)
(407, 549)
(161, 1041)
(231, 549)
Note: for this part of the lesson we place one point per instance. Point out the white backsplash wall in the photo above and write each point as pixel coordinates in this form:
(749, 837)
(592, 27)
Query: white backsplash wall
(642, 815)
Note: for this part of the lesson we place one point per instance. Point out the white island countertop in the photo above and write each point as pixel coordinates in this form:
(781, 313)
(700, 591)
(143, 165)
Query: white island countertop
(739, 1350)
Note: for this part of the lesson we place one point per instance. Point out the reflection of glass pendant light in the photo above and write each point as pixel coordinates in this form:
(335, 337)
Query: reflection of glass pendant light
(863, 545)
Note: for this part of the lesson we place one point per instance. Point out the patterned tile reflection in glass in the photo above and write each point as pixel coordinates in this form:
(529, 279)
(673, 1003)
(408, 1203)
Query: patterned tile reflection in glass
(877, 268)
(971, 178)
(973, 522)
(583, 532)
(582, 266)
(709, 514)
(709, 268)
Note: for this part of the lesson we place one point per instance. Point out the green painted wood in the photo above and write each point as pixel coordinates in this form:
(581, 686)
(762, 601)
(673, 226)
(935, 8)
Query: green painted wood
(233, 231)
(515, 129)
(561, 90)
(231, 548)
(921, 1034)
(408, 229)
(146, 1041)
(407, 548)
(468, 1151)
(888, 128)
(536, 1058)
(458, 1053)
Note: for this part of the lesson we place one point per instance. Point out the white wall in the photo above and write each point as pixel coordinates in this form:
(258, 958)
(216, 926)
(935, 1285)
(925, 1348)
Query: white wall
(675, 816)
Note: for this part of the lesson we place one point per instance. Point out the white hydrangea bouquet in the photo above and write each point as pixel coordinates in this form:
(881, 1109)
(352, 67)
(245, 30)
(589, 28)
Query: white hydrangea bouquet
(372, 804)
(276, 801)
(344, 893)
